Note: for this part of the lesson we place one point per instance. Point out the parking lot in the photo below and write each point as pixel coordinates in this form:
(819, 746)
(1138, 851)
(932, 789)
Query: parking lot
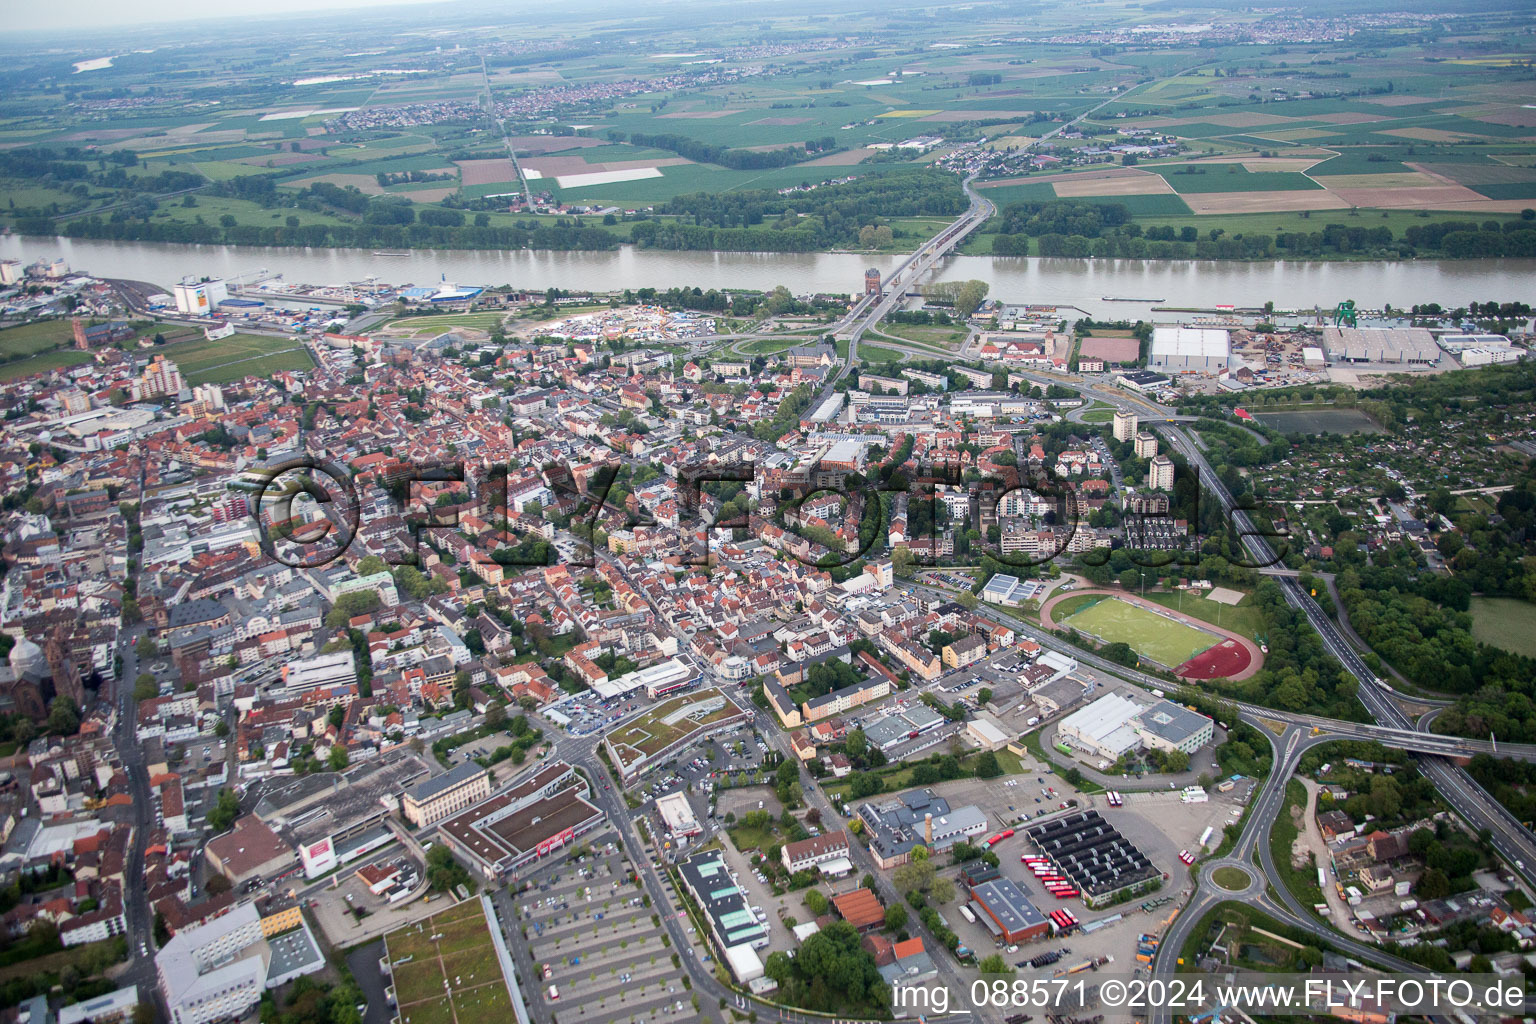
(588, 712)
(598, 949)
(1158, 823)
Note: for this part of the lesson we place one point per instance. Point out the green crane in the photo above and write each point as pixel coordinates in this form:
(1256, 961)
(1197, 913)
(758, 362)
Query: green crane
(1344, 315)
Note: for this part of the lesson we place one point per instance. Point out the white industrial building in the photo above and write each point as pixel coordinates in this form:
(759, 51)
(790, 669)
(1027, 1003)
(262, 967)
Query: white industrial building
(1103, 728)
(1115, 724)
(199, 297)
(1190, 349)
(1481, 349)
(1000, 589)
(656, 680)
(1488, 356)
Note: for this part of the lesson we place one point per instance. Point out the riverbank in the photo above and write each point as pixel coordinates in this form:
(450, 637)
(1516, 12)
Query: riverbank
(1066, 282)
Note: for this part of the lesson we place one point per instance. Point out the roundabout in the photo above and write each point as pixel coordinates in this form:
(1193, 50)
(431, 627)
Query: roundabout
(1232, 878)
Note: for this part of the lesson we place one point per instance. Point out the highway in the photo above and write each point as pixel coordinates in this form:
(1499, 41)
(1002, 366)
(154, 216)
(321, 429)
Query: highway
(1392, 727)
(1510, 838)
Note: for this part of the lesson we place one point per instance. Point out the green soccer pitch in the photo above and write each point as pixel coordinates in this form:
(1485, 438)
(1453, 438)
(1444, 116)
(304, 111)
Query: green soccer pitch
(1150, 635)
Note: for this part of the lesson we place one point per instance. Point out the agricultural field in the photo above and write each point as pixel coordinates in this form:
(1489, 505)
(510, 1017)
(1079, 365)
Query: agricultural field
(371, 140)
(1165, 641)
(445, 969)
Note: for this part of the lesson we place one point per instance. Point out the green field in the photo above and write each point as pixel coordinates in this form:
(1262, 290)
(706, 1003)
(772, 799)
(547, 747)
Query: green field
(1150, 635)
(237, 357)
(768, 346)
(1505, 622)
(41, 363)
(428, 326)
(1197, 178)
(38, 336)
(879, 353)
(934, 336)
(1242, 618)
(451, 950)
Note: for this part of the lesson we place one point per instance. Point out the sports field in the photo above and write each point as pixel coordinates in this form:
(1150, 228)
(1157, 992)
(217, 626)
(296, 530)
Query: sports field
(1150, 635)
(445, 969)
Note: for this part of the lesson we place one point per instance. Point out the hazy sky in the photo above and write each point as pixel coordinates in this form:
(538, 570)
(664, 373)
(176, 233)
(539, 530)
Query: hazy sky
(106, 13)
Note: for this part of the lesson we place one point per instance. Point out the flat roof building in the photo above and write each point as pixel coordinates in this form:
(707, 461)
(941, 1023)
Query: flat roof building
(726, 908)
(677, 815)
(1168, 726)
(336, 669)
(1004, 910)
(1000, 589)
(218, 970)
(436, 798)
(540, 813)
(1190, 349)
(249, 850)
(1412, 345)
(1104, 728)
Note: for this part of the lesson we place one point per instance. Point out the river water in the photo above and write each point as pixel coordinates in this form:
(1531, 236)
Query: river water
(1080, 283)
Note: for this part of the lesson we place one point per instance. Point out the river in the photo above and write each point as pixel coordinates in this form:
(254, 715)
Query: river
(1080, 283)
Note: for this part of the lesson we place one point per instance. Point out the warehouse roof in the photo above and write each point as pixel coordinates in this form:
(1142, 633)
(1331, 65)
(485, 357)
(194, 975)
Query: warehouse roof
(1004, 898)
(1173, 722)
(1197, 342)
(1380, 344)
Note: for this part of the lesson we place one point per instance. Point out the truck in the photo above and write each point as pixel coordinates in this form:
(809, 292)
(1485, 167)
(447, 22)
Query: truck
(966, 913)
